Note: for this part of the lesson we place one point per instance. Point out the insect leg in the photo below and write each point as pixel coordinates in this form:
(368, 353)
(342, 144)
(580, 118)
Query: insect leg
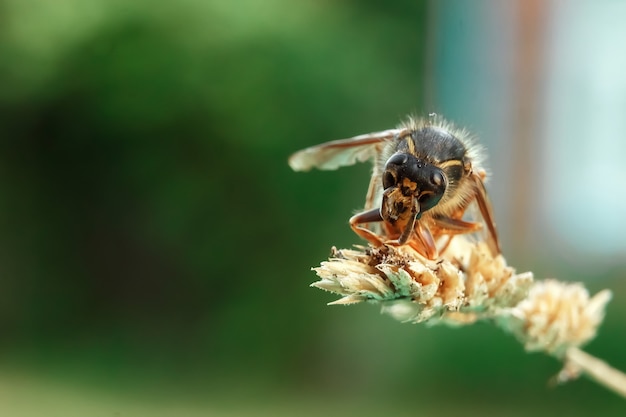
(369, 216)
(423, 242)
(484, 205)
(450, 226)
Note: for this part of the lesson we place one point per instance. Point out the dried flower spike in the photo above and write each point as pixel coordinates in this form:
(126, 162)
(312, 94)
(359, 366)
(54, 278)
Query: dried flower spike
(556, 316)
(468, 284)
(455, 289)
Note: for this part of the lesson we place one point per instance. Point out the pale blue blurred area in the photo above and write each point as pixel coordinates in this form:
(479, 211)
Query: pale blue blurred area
(584, 128)
(563, 196)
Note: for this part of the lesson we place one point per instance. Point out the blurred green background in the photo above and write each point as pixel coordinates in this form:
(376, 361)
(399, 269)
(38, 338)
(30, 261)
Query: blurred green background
(155, 247)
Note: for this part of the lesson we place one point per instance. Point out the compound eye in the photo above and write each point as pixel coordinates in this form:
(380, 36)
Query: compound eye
(431, 195)
(429, 200)
(389, 179)
(436, 179)
(398, 159)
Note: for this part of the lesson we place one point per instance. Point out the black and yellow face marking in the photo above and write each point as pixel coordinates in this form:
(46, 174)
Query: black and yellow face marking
(411, 187)
(450, 163)
(410, 145)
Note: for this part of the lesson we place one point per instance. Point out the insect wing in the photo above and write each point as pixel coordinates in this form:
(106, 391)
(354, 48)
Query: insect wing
(343, 152)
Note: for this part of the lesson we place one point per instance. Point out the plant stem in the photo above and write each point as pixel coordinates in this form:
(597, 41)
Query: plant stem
(596, 369)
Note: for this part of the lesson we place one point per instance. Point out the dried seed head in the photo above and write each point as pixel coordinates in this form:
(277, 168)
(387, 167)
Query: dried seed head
(556, 316)
(467, 283)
